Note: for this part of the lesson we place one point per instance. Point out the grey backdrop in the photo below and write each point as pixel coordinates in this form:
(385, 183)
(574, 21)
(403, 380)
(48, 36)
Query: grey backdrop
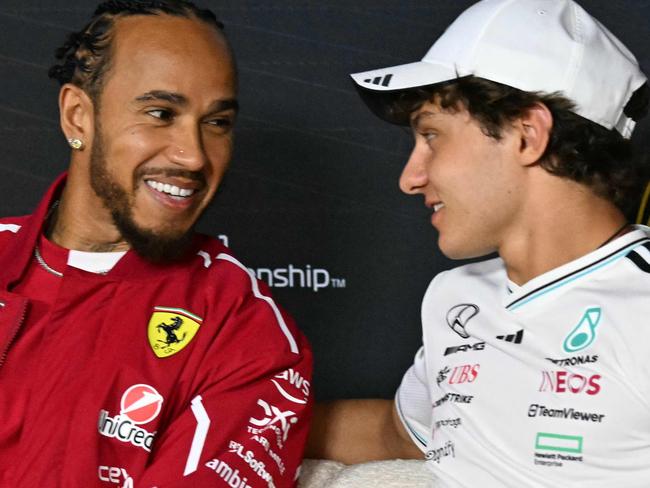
(314, 180)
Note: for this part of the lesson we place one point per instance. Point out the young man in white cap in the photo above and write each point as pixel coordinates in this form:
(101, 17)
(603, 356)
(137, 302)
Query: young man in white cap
(134, 351)
(534, 368)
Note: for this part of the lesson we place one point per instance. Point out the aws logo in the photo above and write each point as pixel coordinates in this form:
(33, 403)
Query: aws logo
(292, 386)
(171, 329)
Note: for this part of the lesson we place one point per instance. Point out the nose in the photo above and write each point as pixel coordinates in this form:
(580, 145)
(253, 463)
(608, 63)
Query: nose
(187, 149)
(414, 176)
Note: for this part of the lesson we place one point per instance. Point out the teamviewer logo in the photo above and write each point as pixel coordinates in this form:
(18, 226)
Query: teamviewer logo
(458, 316)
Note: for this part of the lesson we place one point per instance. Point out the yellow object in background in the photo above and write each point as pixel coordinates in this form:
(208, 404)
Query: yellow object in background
(643, 217)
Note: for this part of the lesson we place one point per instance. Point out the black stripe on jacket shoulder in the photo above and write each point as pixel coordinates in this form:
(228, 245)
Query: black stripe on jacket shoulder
(641, 263)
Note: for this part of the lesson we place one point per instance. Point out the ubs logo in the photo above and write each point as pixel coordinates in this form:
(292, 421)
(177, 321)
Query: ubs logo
(465, 373)
(442, 374)
(458, 316)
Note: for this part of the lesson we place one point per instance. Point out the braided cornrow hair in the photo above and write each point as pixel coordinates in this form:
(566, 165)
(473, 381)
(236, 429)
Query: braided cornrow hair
(85, 55)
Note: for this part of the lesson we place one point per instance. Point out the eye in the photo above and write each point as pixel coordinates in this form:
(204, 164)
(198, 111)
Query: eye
(161, 113)
(222, 124)
(429, 136)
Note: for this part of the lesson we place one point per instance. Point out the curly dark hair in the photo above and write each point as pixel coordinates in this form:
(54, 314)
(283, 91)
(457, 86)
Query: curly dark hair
(578, 149)
(86, 55)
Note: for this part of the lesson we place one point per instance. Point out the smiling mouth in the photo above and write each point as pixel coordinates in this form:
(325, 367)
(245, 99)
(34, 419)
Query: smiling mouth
(173, 191)
(438, 206)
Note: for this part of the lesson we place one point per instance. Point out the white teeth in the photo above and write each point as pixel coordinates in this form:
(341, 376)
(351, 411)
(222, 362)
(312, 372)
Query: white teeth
(438, 206)
(170, 189)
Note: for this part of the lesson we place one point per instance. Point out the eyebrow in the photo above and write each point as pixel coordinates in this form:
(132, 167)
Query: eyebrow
(223, 105)
(179, 99)
(175, 98)
(415, 121)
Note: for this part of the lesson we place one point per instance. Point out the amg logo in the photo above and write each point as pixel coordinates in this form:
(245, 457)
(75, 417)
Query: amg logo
(479, 346)
(227, 474)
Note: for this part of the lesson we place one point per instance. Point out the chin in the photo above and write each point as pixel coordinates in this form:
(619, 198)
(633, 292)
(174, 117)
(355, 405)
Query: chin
(167, 244)
(460, 250)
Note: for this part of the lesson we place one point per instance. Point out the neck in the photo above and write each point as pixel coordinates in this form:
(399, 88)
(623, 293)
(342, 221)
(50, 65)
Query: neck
(81, 222)
(569, 222)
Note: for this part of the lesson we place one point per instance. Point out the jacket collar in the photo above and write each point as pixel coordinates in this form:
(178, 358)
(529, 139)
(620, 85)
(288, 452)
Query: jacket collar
(21, 249)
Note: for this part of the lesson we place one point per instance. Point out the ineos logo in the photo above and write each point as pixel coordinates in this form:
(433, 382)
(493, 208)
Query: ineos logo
(564, 381)
(458, 316)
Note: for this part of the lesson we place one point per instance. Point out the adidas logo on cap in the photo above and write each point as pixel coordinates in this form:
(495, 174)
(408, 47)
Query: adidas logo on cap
(380, 80)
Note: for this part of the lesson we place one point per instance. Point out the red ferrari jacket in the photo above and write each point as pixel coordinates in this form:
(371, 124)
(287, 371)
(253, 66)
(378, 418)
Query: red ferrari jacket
(176, 375)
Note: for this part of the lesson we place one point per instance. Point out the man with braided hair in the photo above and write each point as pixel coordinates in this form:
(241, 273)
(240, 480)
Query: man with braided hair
(94, 391)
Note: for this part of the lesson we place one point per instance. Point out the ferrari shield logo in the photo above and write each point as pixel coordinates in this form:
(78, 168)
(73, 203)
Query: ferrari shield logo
(171, 329)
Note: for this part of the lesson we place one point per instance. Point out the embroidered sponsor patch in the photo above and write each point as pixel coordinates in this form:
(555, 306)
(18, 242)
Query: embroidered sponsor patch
(171, 329)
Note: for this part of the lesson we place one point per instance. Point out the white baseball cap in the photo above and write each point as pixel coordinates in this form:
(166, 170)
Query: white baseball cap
(534, 45)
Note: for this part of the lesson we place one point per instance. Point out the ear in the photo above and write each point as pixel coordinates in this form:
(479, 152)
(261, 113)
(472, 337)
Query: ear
(76, 111)
(534, 128)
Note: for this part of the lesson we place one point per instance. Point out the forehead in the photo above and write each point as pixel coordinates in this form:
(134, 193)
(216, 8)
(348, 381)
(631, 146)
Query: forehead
(174, 53)
(432, 112)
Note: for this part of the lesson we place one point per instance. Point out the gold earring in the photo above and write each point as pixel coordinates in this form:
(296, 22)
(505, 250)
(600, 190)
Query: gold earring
(76, 144)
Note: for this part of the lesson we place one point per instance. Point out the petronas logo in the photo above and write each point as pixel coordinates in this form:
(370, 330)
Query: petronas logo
(584, 333)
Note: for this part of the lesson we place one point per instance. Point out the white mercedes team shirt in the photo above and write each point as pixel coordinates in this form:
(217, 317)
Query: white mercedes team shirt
(541, 385)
